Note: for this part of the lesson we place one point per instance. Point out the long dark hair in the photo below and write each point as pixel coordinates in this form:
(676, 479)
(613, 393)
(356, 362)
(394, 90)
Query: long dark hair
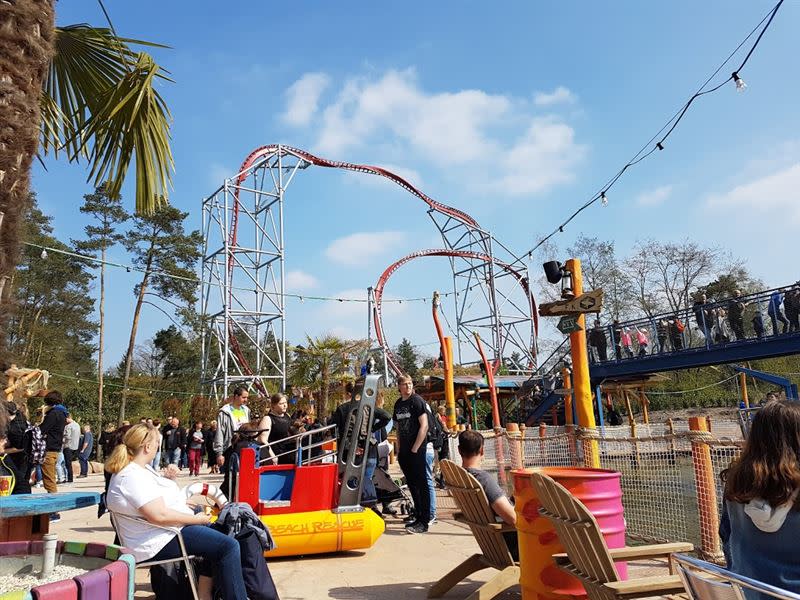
(769, 466)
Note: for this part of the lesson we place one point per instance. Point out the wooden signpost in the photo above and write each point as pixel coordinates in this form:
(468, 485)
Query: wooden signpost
(590, 302)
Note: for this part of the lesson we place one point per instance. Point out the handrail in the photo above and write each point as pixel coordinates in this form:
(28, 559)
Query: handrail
(723, 576)
(298, 444)
(706, 325)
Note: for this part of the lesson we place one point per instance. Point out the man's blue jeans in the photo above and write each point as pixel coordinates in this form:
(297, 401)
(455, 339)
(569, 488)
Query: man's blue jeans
(369, 495)
(174, 456)
(429, 455)
(156, 461)
(83, 459)
(61, 468)
(221, 554)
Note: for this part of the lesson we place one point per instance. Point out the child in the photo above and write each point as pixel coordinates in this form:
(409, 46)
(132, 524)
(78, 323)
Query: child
(761, 521)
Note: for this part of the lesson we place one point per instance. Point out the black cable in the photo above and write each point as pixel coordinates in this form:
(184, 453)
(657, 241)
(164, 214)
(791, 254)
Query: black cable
(671, 124)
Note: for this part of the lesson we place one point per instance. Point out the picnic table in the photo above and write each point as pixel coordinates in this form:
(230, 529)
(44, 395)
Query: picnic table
(27, 516)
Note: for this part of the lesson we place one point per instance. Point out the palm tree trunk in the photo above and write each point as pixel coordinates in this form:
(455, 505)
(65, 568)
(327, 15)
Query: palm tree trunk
(100, 341)
(325, 376)
(132, 342)
(27, 32)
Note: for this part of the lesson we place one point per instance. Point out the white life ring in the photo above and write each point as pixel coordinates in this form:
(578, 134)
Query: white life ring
(206, 489)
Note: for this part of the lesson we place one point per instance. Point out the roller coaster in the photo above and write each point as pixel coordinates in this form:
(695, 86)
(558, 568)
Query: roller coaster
(243, 296)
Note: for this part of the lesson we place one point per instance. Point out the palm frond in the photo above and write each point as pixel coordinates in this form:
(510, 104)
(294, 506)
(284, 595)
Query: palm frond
(99, 104)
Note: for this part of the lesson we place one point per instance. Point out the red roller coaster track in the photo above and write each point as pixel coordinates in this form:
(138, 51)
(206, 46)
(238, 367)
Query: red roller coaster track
(390, 270)
(265, 152)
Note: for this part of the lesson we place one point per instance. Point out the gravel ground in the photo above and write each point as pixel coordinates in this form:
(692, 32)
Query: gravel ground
(10, 583)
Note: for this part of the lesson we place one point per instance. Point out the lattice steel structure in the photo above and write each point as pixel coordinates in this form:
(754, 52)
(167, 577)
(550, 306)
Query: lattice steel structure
(243, 303)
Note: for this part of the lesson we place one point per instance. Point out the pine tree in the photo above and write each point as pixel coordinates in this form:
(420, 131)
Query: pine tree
(161, 247)
(52, 326)
(407, 358)
(108, 214)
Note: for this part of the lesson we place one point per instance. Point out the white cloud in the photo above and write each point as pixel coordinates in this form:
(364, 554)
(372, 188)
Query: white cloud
(358, 248)
(471, 133)
(560, 95)
(297, 281)
(654, 197)
(302, 98)
(775, 194)
(543, 158)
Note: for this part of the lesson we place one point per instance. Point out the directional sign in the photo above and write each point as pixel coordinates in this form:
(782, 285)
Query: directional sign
(568, 324)
(590, 302)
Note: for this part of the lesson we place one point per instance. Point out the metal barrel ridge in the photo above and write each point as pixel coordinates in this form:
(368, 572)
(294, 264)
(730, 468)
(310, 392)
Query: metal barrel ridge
(391, 269)
(263, 153)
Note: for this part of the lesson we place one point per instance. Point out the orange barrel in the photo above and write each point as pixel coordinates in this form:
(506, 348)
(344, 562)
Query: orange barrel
(600, 491)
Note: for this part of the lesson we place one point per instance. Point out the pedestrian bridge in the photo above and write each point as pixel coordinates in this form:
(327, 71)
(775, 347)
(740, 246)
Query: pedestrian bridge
(754, 327)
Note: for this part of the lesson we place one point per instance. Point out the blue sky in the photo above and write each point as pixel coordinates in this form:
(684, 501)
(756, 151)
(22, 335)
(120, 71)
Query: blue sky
(515, 112)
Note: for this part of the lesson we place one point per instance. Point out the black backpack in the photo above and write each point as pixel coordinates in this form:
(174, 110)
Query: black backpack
(436, 434)
(170, 582)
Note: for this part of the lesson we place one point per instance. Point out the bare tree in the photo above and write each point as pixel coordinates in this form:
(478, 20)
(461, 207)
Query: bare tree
(601, 269)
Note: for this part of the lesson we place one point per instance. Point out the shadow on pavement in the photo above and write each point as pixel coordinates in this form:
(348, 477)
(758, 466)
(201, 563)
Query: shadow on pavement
(409, 591)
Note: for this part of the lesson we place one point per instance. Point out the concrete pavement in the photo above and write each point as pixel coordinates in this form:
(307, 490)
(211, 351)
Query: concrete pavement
(398, 567)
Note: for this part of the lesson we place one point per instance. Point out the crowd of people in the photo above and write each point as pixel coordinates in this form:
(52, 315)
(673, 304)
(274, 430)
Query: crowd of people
(716, 323)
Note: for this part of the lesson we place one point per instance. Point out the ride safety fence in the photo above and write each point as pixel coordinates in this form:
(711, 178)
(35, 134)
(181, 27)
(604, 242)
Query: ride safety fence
(671, 487)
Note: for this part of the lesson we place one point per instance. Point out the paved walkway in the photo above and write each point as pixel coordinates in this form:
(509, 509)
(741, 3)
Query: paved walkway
(400, 566)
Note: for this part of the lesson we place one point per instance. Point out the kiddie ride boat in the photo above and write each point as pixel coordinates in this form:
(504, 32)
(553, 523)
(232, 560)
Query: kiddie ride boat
(313, 506)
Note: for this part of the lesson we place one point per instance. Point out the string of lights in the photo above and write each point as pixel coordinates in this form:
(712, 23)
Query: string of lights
(669, 127)
(106, 384)
(46, 250)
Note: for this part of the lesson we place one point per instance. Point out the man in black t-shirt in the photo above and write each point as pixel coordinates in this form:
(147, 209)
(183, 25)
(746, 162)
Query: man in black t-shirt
(411, 417)
(470, 447)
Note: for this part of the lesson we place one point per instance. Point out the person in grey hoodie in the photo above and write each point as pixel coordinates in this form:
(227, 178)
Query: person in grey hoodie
(229, 418)
(760, 524)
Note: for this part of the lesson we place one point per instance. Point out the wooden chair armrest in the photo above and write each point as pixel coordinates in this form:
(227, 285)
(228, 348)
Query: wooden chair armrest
(659, 585)
(490, 526)
(649, 551)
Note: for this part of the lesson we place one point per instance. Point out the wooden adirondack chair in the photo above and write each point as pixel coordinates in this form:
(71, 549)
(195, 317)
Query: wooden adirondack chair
(589, 559)
(479, 516)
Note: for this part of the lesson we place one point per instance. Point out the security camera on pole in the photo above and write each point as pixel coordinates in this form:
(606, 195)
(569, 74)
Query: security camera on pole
(573, 322)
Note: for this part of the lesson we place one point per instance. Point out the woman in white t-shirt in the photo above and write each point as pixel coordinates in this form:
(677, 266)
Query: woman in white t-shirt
(138, 491)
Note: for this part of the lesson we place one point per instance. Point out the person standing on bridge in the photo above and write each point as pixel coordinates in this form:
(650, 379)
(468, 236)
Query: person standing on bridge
(703, 317)
(597, 339)
(736, 314)
(775, 313)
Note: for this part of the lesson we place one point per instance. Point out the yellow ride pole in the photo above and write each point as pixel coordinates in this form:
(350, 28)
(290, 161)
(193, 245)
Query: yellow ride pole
(449, 385)
(743, 385)
(581, 383)
(446, 344)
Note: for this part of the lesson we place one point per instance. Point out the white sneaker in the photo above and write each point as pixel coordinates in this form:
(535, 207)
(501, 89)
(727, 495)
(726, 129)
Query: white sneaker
(433, 521)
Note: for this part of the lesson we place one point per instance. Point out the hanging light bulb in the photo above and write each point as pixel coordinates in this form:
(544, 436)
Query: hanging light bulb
(302, 300)
(43, 254)
(128, 269)
(740, 84)
(603, 199)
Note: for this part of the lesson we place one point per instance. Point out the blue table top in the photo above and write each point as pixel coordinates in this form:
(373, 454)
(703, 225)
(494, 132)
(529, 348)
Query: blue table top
(26, 505)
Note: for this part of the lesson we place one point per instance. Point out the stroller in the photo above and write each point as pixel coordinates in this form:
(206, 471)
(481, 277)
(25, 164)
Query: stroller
(389, 491)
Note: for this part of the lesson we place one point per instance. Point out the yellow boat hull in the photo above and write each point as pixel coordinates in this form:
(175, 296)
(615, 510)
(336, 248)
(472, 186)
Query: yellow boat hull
(322, 531)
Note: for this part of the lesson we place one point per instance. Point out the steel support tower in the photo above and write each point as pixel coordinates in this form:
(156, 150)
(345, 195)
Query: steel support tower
(243, 279)
(243, 283)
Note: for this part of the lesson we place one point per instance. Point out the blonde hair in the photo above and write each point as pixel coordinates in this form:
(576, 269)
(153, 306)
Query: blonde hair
(133, 441)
